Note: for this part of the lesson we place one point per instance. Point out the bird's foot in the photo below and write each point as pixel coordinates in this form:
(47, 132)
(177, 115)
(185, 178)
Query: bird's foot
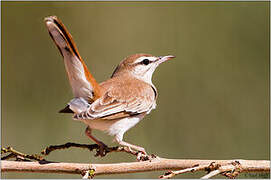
(145, 157)
(141, 150)
(142, 155)
(102, 151)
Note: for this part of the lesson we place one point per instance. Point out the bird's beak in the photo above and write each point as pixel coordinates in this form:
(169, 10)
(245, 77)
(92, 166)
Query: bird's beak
(162, 59)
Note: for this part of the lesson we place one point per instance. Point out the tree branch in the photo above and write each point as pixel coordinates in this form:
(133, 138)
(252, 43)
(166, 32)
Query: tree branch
(228, 168)
(156, 164)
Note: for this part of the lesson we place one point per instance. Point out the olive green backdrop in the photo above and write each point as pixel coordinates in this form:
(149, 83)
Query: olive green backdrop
(213, 100)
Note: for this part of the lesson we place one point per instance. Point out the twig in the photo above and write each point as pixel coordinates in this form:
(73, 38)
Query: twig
(25, 157)
(51, 148)
(92, 147)
(231, 170)
(171, 174)
(222, 169)
(9, 156)
(211, 174)
(19, 155)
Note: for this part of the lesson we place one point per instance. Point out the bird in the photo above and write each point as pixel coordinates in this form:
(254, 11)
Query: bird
(114, 105)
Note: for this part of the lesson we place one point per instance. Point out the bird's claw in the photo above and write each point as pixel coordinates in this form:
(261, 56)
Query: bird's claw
(143, 156)
(102, 151)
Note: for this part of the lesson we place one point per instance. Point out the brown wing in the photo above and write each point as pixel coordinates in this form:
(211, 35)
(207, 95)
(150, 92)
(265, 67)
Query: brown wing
(122, 99)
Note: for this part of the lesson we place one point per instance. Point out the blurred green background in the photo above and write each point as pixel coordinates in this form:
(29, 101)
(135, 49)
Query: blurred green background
(213, 98)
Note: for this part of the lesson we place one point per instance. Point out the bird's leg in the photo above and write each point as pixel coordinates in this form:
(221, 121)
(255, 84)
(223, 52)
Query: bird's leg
(102, 146)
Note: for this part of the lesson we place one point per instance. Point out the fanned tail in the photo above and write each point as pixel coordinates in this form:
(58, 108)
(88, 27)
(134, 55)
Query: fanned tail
(82, 82)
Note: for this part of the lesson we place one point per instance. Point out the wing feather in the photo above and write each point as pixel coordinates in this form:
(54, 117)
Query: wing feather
(123, 100)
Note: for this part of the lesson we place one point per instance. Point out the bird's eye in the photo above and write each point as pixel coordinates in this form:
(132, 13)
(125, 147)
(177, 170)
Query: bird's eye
(146, 62)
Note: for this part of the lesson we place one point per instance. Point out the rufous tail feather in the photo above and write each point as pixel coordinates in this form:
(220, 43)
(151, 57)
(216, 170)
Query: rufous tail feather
(64, 41)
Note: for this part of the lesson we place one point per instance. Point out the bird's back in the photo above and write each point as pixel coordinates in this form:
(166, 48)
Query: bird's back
(121, 97)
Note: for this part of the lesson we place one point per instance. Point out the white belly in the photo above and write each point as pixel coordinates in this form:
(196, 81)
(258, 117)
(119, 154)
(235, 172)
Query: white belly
(114, 127)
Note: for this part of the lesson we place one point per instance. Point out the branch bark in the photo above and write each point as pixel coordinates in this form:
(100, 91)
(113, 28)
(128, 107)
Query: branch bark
(156, 164)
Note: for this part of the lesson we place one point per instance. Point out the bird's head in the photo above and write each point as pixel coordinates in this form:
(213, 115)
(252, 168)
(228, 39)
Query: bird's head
(141, 66)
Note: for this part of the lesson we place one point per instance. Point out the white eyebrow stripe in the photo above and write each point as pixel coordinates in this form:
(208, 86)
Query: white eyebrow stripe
(144, 57)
